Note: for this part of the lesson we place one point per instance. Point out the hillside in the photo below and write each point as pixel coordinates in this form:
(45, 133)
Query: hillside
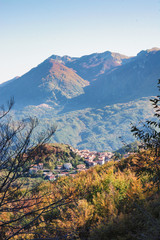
(119, 200)
(53, 154)
(48, 82)
(92, 128)
(135, 79)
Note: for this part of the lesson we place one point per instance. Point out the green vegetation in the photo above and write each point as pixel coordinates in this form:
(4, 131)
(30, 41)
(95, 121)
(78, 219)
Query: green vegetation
(55, 154)
(93, 129)
(132, 147)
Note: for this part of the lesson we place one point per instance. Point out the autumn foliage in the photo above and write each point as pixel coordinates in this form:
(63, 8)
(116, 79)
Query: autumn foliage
(114, 201)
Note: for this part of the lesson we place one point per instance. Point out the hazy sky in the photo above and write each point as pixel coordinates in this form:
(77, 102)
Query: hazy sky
(32, 30)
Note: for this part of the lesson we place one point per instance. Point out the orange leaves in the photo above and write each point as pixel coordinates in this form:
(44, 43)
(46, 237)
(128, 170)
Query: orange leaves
(104, 206)
(75, 217)
(96, 197)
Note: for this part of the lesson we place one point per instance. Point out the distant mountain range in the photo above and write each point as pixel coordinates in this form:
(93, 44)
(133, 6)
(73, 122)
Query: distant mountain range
(70, 89)
(136, 77)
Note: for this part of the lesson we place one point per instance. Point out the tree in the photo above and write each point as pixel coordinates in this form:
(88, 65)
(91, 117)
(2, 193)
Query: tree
(149, 134)
(21, 206)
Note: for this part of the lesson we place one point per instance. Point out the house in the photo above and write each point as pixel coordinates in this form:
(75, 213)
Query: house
(81, 166)
(90, 163)
(92, 157)
(107, 159)
(100, 161)
(67, 166)
(72, 175)
(61, 175)
(65, 173)
(110, 155)
(33, 170)
(40, 166)
(34, 166)
(93, 163)
(47, 172)
(50, 177)
(102, 158)
(59, 167)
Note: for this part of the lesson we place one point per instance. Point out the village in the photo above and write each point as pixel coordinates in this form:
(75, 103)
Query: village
(90, 159)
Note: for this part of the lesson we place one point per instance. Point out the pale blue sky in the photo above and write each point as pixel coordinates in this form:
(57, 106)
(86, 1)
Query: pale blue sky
(32, 30)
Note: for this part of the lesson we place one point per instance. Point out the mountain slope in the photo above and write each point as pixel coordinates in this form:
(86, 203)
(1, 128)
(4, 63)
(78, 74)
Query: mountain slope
(133, 80)
(91, 66)
(50, 81)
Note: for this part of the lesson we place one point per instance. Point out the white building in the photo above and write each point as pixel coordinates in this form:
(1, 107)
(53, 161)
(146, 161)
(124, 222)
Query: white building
(67, 166)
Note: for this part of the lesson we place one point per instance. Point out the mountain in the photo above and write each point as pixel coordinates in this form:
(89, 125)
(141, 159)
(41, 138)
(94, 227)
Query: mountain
(135, 79)
(50, 81)
(11, 80)
(91, 66)
(91, 113)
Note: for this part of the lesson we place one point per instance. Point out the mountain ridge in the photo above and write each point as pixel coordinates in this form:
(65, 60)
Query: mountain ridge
(90, 113)
(135, 79)
(92, 65)
(50, 81)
